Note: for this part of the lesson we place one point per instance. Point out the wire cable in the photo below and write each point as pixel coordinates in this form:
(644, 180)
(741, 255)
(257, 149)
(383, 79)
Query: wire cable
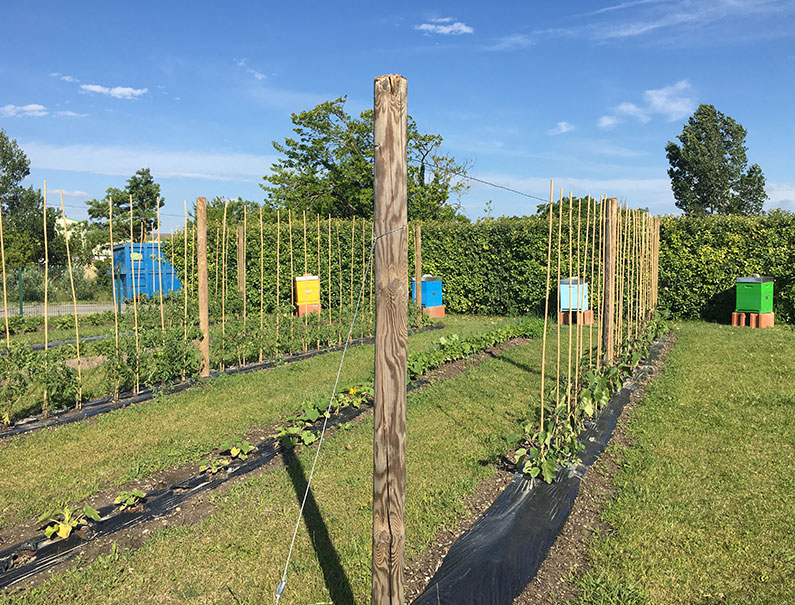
(283, 583)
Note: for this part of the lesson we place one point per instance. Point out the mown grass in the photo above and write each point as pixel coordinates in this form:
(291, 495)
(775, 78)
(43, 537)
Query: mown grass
(456, 431)
(73, 462)
(704, 510)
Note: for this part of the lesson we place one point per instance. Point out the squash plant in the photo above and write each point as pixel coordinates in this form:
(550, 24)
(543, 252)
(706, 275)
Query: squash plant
(237, 449)
(129, 499)
(62, 523)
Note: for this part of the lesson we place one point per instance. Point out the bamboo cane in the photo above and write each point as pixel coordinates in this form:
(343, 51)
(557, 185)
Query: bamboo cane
(592, 274)
(217, 248)
(292, 277)
(261, 283)
(319, 315)
(193, 272)
(160, 275)
(116, 296)
(546, 305)
(339, 279)
(578, 329)
(353, 239)
(45, 408)
(571, 258)
(243, 256)
(560, 325)
(328, 285)
(5, 297)
(79, 394)
(278, 302)
(361, 323)
(135, 300)
(304, 338)
(224, 260)
(185, 288)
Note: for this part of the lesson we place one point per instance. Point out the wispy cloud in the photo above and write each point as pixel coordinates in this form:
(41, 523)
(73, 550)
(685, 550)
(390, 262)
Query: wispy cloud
(445, 26)
(78, 193)
(70, 114)
(243, 63)
(117, 92)
(512, 42)
(560, 128)
(61, 76)
(33, 110)
(671, 102)
(124, 161)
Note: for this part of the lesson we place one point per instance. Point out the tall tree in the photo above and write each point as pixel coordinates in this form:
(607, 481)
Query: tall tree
(145, 193)
(709, 173)
(23, 214)
(328, 168)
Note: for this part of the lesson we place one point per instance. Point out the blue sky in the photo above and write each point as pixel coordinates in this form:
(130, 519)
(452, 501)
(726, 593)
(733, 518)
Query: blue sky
(586, 93)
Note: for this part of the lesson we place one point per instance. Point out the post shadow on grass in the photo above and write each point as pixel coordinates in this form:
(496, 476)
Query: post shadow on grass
(333, 573)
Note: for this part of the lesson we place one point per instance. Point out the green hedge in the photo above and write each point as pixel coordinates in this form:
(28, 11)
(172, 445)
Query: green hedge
(499, 266)
(700, 258)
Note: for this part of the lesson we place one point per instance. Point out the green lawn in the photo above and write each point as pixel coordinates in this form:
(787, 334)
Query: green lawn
(456, 431)
(75, 461)
(705, 507)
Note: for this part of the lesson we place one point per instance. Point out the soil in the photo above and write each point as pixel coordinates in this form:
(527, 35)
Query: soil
(199, 508)
(569, 552)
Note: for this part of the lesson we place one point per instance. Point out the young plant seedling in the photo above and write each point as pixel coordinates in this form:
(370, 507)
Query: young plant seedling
(129, 499)
(62, 523)
(237, 449)
(213, 466)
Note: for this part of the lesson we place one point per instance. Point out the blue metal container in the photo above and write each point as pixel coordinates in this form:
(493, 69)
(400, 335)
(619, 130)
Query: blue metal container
(148, 265)
(570, 293)
(431, 291)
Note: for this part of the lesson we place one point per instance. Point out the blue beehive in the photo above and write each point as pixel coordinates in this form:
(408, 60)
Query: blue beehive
(431, 291)
(570, 293)
(143, 259)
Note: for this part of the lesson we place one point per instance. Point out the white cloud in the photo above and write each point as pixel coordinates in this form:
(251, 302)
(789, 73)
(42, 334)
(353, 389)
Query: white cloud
(244, 64)
(561, 128)
(33, 110)
(442, 20)
(512, 42)
(69, 79)
(782, 195)
(445, 28)
(608, 122)
(672, 102)
(124, 161)
(70, 114)
(78, 193)
(117, 92)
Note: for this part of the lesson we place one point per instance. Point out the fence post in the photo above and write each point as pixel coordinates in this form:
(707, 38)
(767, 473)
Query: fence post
(201, 253)
(391, 268)
(608, 299)
(19, 287)
(418, 270)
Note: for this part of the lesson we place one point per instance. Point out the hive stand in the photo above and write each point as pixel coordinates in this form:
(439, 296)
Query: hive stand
(575, 317)
(753, 320)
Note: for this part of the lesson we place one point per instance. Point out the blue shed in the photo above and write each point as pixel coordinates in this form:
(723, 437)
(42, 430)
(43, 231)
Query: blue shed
(143, 259)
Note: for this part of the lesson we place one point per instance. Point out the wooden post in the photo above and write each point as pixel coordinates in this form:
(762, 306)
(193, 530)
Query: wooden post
(185, 286)
(223, 286)
(391, 267)
(278, 277)
(418, 270)
(608, 298)
(160, 275)
(204, 295)
(261, 283)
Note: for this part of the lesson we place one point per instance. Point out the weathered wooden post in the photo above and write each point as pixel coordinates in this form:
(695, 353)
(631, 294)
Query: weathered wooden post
(608, 299)
(418, 270)
(204, 317)
(391, 330)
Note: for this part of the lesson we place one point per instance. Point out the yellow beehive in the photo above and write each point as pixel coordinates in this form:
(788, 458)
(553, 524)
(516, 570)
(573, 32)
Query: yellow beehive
(307, 290)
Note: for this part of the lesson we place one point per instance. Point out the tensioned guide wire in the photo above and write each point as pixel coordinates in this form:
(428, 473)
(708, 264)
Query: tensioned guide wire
(283, 583)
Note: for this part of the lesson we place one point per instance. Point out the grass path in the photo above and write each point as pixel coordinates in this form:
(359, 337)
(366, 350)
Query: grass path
(72, 462)
(456, 431)
(705, 503)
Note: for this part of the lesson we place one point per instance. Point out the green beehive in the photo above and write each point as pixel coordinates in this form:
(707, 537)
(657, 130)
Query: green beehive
(754, 295)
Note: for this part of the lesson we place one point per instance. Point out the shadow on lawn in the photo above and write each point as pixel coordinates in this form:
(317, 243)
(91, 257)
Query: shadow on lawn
(333, 574)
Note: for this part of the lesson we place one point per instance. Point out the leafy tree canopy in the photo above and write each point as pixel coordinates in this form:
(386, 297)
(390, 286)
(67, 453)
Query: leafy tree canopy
(145, 195)
(709, 173)
(23, 212)
(328, 168)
